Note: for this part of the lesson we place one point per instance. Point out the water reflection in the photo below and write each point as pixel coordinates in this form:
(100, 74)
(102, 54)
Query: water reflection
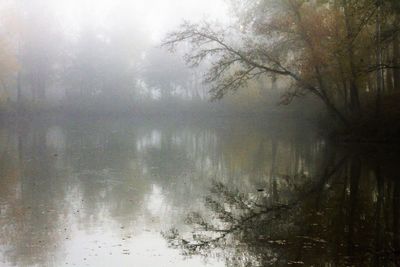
(346, 216)
(99, 193)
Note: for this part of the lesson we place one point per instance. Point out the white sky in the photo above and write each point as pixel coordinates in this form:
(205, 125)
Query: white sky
(154, 17)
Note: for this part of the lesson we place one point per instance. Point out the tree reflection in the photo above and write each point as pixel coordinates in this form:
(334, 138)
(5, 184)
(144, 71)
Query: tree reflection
(299, 200)
(34, 197)
(347, 216)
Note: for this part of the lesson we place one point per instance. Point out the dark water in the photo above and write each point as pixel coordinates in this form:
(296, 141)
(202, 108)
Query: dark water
(118, 192)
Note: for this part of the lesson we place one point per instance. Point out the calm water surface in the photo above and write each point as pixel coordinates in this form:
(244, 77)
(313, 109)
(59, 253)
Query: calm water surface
(157, 193)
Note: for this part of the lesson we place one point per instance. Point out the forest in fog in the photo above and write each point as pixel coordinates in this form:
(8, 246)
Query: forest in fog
(199, 133)
(106, 57)
(338, 56)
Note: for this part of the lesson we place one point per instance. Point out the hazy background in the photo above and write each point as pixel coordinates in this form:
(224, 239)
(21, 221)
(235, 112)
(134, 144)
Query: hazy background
(105, 57)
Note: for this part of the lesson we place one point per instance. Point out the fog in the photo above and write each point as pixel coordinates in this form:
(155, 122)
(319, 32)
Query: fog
(107, 57)
(99, 56)
(152, 19)
(199, 133)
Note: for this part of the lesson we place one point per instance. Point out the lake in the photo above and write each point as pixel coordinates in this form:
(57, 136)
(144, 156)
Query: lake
(146, 192)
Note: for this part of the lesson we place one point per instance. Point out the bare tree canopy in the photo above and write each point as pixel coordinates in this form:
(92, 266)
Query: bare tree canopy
(319, 47)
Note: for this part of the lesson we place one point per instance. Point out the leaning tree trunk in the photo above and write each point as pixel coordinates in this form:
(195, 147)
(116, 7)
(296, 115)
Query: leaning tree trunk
(354, 94)
(379, 72)
(396, 57)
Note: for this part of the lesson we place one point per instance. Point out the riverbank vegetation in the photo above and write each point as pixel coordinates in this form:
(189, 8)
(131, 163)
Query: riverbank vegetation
(339, 57)
(344, 53)
(50, 63)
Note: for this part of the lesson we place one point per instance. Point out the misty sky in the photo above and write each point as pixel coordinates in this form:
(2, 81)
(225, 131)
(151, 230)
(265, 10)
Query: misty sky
(154, 17)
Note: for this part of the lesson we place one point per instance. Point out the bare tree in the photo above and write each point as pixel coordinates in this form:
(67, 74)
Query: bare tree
(232, 66)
